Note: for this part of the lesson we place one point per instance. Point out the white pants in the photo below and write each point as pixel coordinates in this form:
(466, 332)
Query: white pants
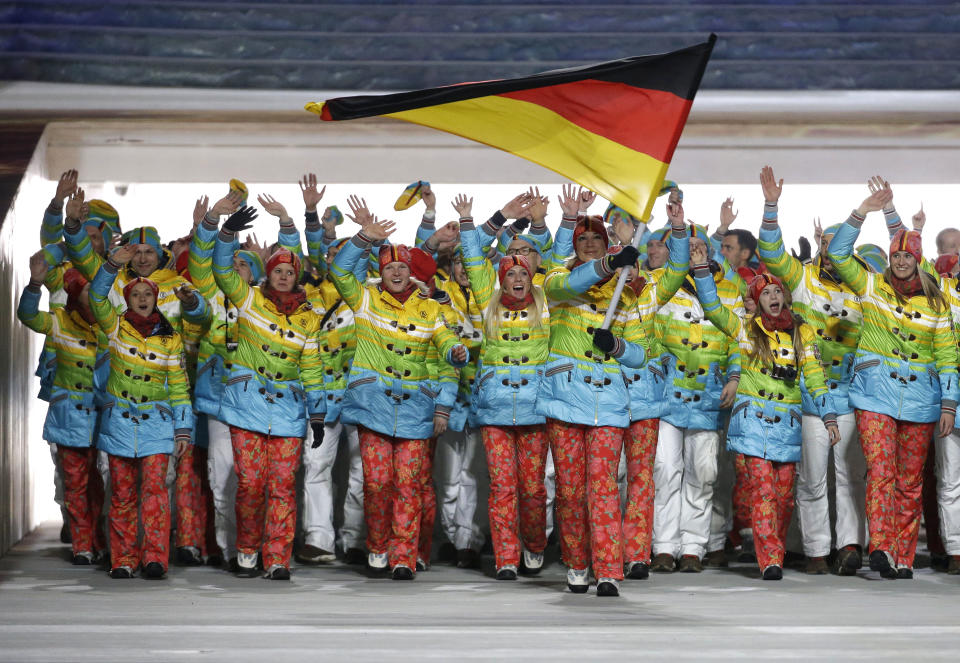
(813, 506)
(223, 485)
(550, 483)
(459, 470)
(684, 471)
(353, 531)
(319, 490)
(948, 490)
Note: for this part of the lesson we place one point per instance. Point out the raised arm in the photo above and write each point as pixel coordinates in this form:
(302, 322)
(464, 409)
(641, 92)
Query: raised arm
(479, 270)
(100, 287)
(342, 269)
(770, 246)
(79, 249)
(51, 231)
(840, 251)
(233, 286)
(714, 310)
(28, 309)
(562, 284)
(678, 263)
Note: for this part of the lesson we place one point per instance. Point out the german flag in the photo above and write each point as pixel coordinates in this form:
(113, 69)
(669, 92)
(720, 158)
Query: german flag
(611, 127)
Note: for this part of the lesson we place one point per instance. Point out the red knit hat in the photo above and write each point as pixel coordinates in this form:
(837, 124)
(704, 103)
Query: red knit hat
(509, 262)
(281, 256)
(183, 265)
(761, 281)
(422, 265)
(394, 253)
(909, 241)
(127, 289)
(593, 224)
(945, 264)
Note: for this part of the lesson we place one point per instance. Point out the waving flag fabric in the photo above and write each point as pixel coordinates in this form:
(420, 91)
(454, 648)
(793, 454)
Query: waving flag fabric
(610, 127)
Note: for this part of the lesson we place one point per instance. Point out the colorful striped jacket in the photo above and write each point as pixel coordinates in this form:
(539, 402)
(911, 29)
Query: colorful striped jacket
(72, 416)
(906, 362)
(766, 417)
(581, 384)
(827, 304)
(147, 394)
(389, 388)
(275, 376)
(511, 364)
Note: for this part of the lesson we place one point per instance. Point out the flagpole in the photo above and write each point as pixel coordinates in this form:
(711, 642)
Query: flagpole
(618, 290)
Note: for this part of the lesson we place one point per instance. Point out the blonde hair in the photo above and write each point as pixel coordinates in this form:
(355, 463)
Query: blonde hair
(494, 314)
(931, 290)
(760, 342)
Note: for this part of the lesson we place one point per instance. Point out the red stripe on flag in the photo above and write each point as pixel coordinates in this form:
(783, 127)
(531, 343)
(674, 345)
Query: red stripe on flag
(647, 121)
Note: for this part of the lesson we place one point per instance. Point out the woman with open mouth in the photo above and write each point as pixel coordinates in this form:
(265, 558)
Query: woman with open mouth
(778, 350)
(904, 385)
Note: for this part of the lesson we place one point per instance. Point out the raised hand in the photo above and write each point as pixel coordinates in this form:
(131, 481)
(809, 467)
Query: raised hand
(675, 214)
(200, 210)
(360, 213)
(308, 187)
(38, 267)
(429, 198)
(727, 215)
(123, 255)
(378, 231)
(446, 235)
(186, 295)
(516, 207)
(66, 185)
(877, 183)
(242, 219)
(537, 207)
(919, 219)
(585, 199)
(75, 205)
(623, 229)
(817, 231)
(272, 206)
(877, 200)
(569, 201)
(227, 205)
(771, 188)
(463, 205)
(253, 244)
(698, 254)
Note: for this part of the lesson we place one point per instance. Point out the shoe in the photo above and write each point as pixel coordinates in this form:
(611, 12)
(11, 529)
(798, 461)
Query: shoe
(84, 558)
(816, 566)
(608, 587)
(663, 563)
(954, 567)
(690, 564)
(532, 562)
(213, 560)
(773, 572)
(637, 571)
(508, 572)
(312, 555)
(447, 553)
(882, 561)
(354, 556)
(247, 565)
(65, 536)
(377, 561)
(848, 561)
(189, 556)
(121, 572)
(421, 565)
(939, 562)
(748, 553)
(402, 573)
(232, 565)
(905, 573)
(277, 572)
(154, 571)
(578, 580)
(468, 559)
(794, 560)
(716, 559)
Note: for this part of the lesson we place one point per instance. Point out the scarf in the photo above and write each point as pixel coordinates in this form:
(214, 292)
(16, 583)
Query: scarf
(286, 302)
(403, 296)
(908, 288)
(783, 321)
(144, 324)
(516, 303)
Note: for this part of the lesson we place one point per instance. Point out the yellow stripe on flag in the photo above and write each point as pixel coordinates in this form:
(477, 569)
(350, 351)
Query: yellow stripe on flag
(625, 177)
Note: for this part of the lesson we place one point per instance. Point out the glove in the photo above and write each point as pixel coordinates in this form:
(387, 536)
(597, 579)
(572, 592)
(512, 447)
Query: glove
(604, 340)
(441, 296)
(805, 254)
(317, 428)
(626, 256)
(241, 219)
(520, 224)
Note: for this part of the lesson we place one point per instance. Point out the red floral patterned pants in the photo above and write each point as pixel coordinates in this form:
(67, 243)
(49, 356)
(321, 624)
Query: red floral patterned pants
(771, 485)
(195, 502)
(588, 499)
(154, 510)
(742, 499)
(82, 497)
(428, 504)
(895, 452)
(392, 486)
(640, 443)
(266, 494)
(516, 458)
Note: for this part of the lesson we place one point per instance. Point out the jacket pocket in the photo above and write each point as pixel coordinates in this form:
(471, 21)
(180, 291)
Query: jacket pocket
(429, 393)
(165, 412)
(562, 368)
(795, 416)
(739, 408)
(57, 399)
(863, 365)
(485, 378)
(366, 380)
(238, 379)
(657, 372)
(933, 375)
